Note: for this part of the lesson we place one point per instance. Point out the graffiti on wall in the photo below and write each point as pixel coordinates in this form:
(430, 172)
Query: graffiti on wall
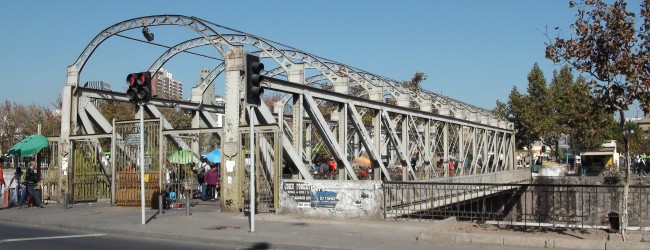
(323, 198)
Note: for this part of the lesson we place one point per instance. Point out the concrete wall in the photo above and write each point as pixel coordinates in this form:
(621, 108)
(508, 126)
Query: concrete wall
(329, 198)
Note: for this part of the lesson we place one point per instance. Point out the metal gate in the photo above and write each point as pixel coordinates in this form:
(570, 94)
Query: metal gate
(50, 171)
(268, 155)
(182, 150)
(125, 157)
(90, 179)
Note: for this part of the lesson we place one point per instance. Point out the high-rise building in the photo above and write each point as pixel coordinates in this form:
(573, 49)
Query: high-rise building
(165, 86)
(101, 85)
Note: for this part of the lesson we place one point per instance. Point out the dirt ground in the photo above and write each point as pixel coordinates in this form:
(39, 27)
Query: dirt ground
(568, 233)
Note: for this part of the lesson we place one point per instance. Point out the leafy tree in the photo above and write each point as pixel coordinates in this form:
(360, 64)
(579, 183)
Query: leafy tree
(544, 114)
(580, 116)
(523, 117)
(121, 111)
(501, 110)
(607, 47)
(18, 121)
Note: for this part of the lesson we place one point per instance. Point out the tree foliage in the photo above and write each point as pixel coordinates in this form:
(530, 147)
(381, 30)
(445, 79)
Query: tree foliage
(609, 49)
(546, 112)
(18, 121)
(578, 114)
(501, 110)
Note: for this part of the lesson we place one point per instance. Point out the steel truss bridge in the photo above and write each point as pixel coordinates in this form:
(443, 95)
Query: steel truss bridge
(325, 104)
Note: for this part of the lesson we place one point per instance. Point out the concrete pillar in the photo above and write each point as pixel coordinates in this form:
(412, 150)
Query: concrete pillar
(484, 119)
(460, 114)
(376, 94)
(297, 73)
(341, 85)
(494, 122)
(426, 105)
(230, 184)
(443, 109)
(503, 124)
(404, 100)
(473, 117)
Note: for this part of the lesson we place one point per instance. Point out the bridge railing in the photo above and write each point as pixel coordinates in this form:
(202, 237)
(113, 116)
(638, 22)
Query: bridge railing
(545, 205)
(513, 176)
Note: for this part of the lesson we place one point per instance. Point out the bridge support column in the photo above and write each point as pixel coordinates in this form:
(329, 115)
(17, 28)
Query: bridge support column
(404, 100)
(475, 155)
(376, 94)
(461, 149)
(427, 106)
(231, 200)
(340, 114)
(297, 75)
(445, 145)
(308, 142)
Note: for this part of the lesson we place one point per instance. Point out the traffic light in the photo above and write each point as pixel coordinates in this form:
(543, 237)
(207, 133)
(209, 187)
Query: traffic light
(253, 79)
(139, 87)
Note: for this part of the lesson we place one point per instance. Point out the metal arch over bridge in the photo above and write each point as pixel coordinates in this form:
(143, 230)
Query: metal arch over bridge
(360, 123)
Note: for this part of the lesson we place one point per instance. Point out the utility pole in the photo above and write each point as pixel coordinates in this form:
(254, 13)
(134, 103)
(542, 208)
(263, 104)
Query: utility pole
(139, 91)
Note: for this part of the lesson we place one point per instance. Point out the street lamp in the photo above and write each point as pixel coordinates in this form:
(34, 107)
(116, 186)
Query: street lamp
(147, 34)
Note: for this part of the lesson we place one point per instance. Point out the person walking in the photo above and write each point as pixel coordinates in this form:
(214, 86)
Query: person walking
(19, 189)
(4, 193)
(332, 165)
(212, 181)
(31, 179)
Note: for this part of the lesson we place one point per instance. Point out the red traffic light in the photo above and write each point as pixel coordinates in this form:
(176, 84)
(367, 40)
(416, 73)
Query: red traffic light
(130, 79)
(139, 86)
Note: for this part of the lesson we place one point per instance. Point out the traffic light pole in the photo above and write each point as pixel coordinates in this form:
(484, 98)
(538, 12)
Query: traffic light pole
(142, 184)
(251, 207)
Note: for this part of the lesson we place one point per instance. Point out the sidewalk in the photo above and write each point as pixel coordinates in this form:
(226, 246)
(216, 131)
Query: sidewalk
(206, 224)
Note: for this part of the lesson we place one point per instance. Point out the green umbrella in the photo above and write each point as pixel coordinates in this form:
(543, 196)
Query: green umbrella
(29, 146)
(183, 157)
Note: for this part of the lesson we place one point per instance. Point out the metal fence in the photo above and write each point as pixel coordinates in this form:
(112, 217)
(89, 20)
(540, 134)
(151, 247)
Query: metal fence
(550, 205)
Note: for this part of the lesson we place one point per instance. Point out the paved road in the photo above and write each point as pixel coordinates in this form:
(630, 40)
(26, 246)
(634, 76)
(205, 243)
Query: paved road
(20, 237)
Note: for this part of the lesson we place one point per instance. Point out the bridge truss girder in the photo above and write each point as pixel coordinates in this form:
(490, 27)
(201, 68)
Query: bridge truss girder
(418, 135)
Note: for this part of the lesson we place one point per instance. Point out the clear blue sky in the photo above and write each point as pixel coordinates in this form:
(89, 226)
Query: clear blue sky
(473, 51)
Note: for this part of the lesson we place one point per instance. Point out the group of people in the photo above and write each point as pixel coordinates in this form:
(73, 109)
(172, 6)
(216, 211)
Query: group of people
(25, 184)
(208, 177)
(323, 167)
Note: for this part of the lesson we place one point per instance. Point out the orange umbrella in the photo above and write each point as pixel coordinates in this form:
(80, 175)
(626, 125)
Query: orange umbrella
(363, 161)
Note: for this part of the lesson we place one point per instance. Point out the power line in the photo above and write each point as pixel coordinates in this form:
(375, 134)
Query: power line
(168, 47)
